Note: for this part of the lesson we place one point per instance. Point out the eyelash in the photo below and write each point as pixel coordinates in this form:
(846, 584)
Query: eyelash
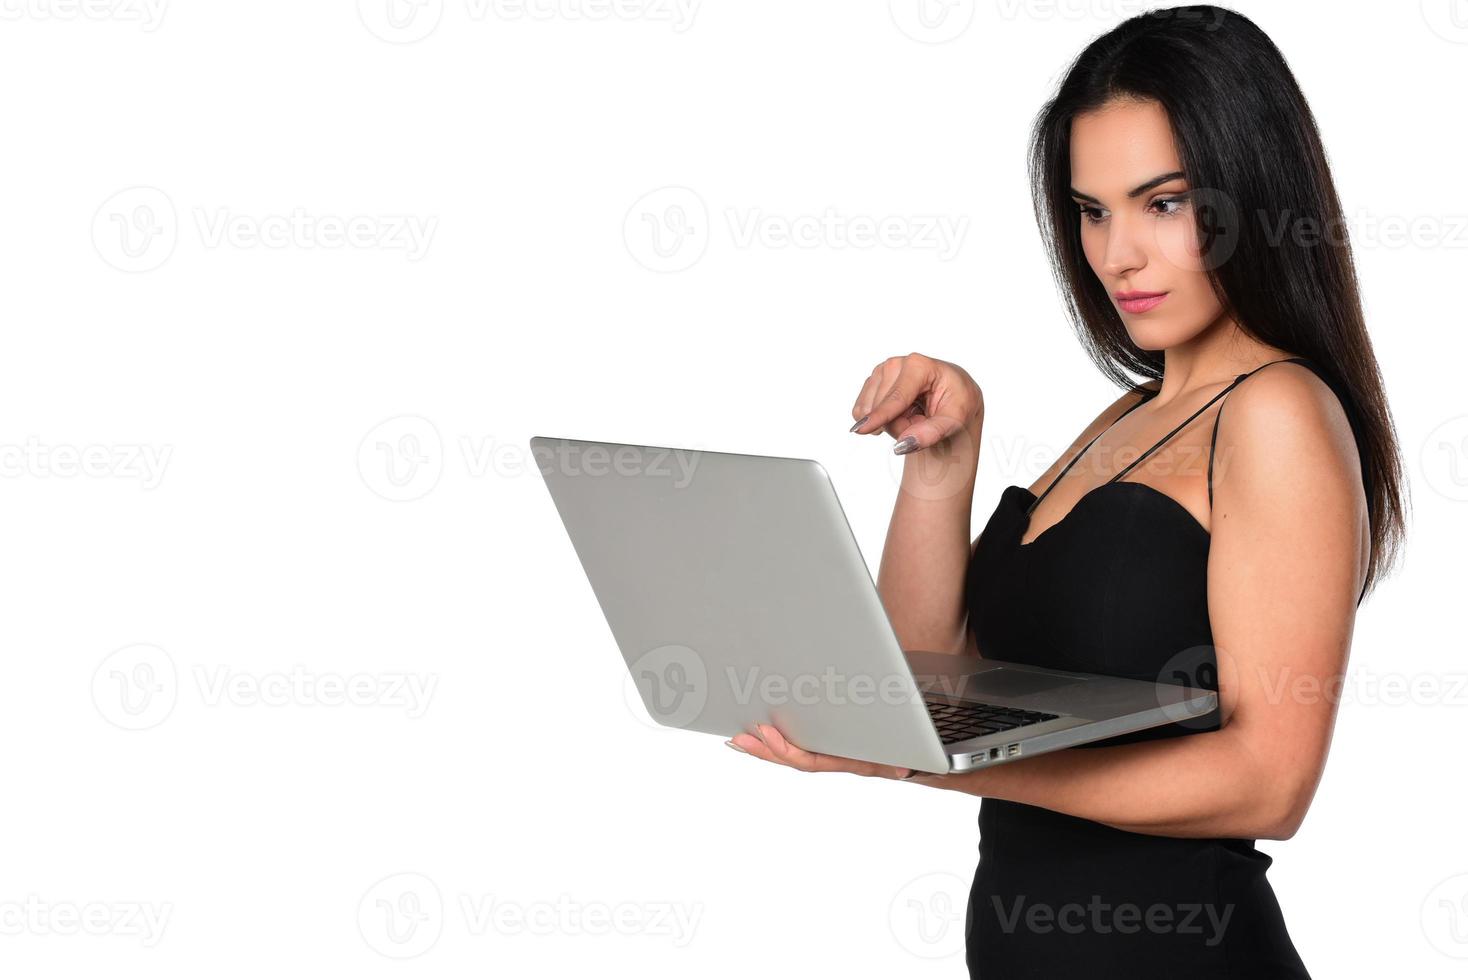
(1179, 199)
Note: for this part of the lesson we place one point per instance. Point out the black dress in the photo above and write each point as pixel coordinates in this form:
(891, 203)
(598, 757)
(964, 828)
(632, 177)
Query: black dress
(1118, 586)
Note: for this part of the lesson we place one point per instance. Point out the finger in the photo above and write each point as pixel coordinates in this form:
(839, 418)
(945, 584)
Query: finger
(798, 758)
(926, 431)
(882, 377)
(913, 379)
(755, 747)
(865, 397)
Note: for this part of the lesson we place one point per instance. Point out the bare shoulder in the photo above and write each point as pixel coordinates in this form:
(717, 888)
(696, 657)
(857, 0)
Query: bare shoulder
(1284, 446)
(1287, 413)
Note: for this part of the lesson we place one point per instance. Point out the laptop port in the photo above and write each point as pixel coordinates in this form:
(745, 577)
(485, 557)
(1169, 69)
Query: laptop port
(1014, 748)
(995, 752)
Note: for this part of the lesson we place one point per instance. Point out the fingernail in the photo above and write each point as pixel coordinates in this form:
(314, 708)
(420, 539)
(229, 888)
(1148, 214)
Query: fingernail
(905, 445)
(859, 423)
(730, 743)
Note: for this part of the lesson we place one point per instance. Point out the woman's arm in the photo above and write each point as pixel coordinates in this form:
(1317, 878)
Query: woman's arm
(1287, 558)
(925, 556)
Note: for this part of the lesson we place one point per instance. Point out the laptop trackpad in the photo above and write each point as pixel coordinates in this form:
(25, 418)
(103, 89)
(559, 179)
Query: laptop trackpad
(1009, 682)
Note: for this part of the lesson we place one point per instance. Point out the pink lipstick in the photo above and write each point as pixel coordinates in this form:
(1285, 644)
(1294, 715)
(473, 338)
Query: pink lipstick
(1139, 301)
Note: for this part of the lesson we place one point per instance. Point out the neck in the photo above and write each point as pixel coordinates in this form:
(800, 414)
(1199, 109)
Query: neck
(1214, 357)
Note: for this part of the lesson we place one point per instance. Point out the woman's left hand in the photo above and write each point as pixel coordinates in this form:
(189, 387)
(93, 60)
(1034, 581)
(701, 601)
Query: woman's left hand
(772, 746)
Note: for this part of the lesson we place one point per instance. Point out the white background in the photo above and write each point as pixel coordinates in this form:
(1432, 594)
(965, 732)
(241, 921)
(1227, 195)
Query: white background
(203, 533)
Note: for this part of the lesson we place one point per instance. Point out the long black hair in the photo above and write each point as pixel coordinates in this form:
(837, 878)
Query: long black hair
(1269, 218)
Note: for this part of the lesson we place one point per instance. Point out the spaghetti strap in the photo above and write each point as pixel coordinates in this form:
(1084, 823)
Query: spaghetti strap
(1160, 442)
(1137, 404)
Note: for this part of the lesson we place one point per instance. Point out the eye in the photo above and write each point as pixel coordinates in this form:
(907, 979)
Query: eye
(1170, 206)
(1091, 215)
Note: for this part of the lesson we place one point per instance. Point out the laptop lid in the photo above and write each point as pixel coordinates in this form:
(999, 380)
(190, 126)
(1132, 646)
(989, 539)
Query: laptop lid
(736, 592)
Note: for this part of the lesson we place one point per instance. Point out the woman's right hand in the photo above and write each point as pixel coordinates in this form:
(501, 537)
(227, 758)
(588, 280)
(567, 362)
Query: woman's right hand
(919, 401)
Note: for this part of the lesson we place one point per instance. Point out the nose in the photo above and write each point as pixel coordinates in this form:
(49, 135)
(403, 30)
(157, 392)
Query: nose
(1125, 251)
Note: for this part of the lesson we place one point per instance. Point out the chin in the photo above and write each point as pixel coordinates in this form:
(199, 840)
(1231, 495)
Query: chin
(1149, 336)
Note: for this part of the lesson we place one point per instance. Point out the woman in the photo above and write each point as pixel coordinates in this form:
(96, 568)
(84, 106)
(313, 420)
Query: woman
(1190, 214)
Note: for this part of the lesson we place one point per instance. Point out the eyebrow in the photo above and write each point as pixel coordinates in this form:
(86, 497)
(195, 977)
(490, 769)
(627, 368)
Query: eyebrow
(1135, 191)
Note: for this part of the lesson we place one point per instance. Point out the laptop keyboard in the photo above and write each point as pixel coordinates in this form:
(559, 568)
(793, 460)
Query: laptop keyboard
(973, 719)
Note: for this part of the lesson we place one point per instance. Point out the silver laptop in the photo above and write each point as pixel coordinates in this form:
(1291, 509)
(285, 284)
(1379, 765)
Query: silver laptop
(737, 594)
